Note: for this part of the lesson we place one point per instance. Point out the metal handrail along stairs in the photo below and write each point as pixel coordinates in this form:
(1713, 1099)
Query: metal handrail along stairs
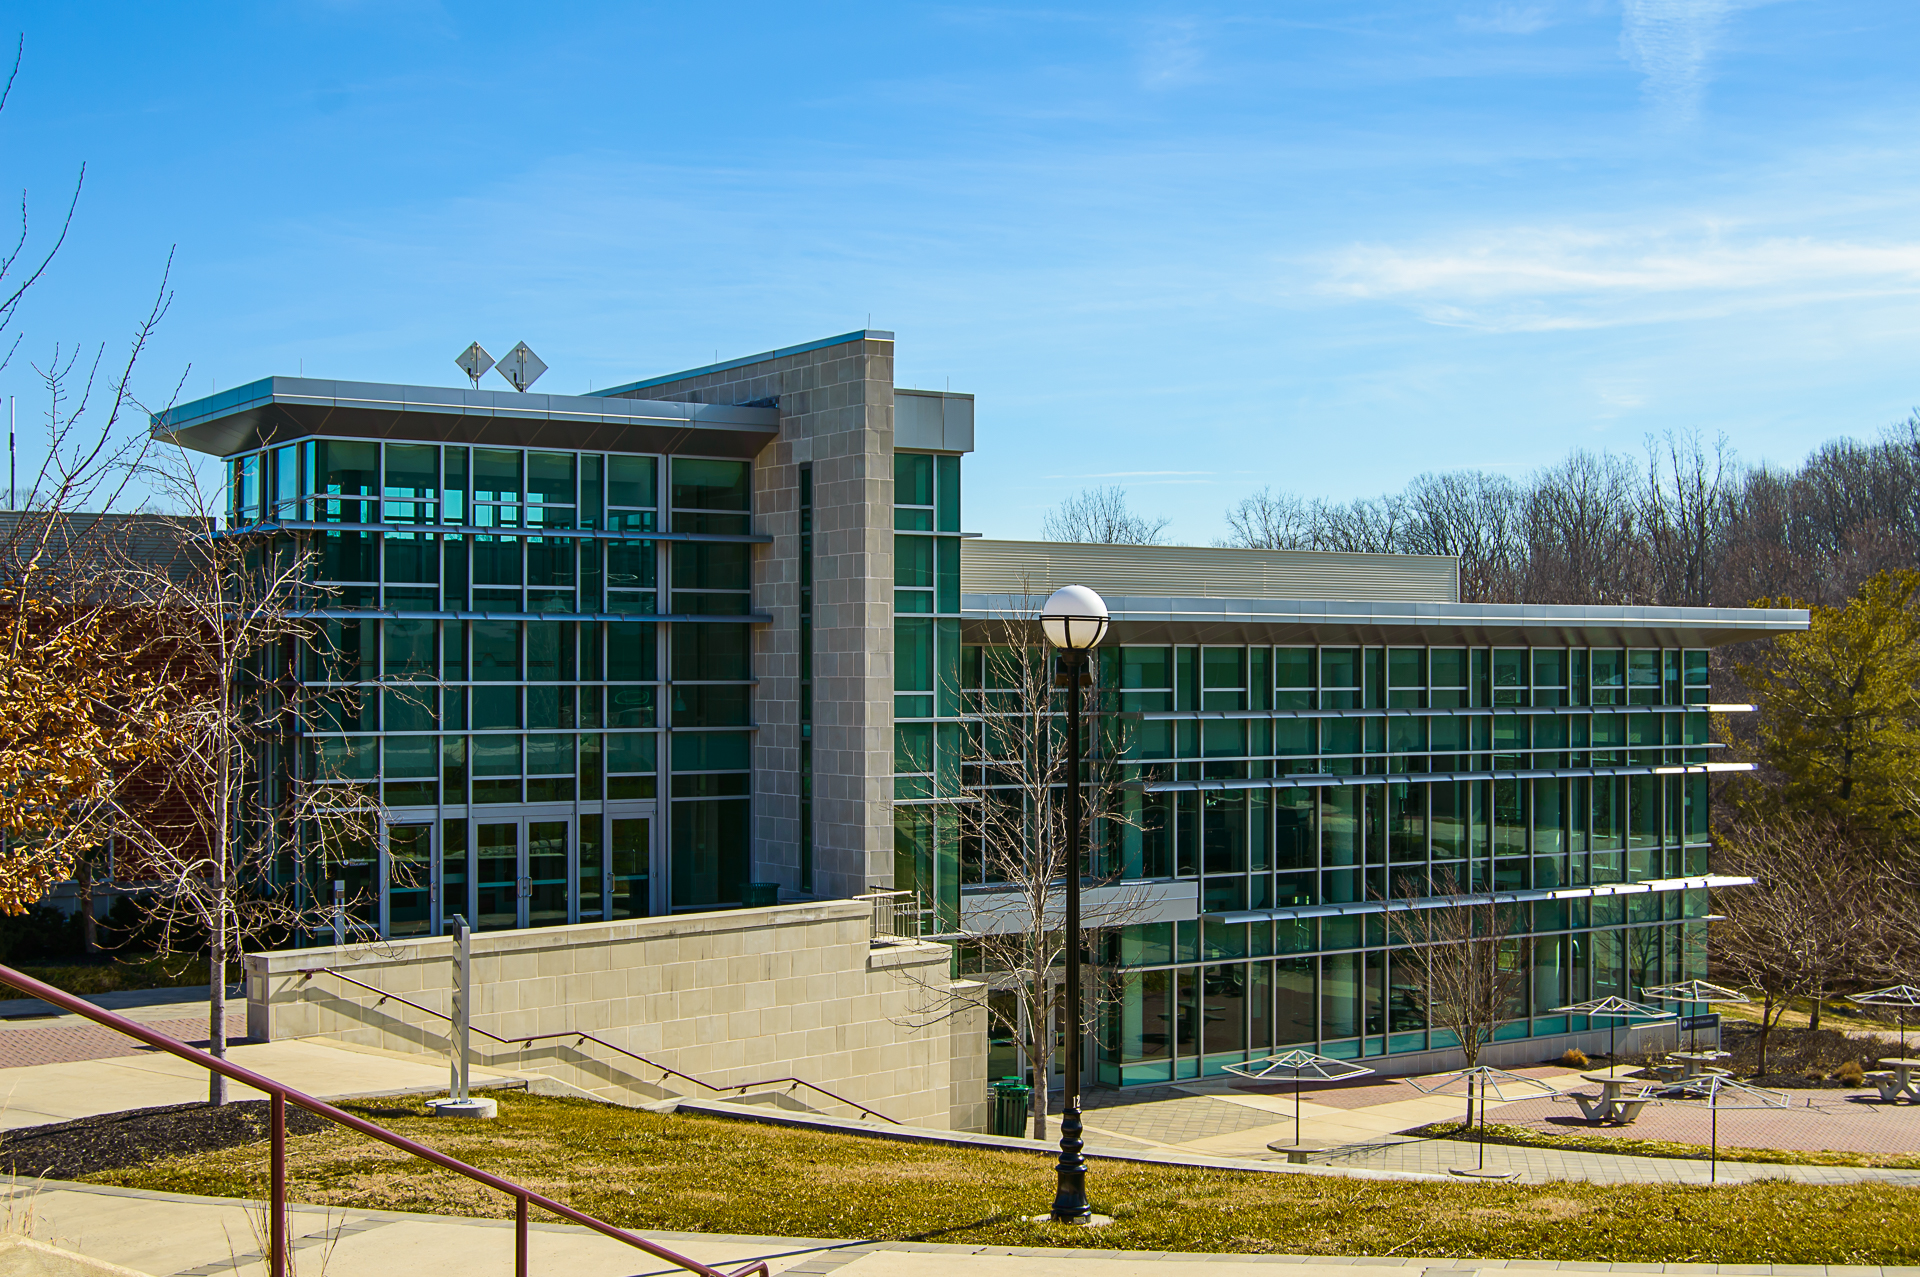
(739, 1088)
(283, 1095)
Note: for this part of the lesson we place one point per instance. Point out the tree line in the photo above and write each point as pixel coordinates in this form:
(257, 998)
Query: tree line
(1688, 525)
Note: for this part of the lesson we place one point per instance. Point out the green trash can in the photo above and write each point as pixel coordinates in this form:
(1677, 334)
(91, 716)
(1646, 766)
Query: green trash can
(1011, 1097)
(757, 895)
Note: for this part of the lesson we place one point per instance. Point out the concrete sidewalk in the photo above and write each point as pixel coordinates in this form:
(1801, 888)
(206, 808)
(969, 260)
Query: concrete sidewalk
(135, 1004)
(172, 1235)
(43, 1093)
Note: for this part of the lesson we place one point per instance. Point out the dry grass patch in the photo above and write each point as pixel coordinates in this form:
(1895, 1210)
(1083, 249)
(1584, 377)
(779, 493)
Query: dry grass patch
(705, 1174)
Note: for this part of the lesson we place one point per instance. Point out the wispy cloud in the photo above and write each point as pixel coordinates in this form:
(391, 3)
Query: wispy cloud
(1671, 44)
(1508, 19)
(1171, 54)
(1529, 279)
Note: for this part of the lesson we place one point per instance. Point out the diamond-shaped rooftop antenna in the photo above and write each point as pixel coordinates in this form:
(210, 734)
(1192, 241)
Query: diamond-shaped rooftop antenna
(521, 367)
(474, 361)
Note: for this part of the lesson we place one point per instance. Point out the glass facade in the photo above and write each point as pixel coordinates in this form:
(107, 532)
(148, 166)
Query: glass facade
(540, 660)
(929, 731)
(1300, 787)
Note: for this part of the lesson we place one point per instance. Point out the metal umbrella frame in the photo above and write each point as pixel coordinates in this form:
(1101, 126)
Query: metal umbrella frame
(1321, 1068)
(1610, 1009)
(1700, 993)
(1902, 996)
(1482, 1079)
(1706, 1091)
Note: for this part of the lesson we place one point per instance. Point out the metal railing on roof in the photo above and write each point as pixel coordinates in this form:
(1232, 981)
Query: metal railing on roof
(282, 1095)
(898, 916)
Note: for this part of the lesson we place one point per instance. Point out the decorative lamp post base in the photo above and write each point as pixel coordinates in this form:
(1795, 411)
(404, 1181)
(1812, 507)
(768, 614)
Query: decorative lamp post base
(474, 1106)
(1070, 1195)
(1085, 1221)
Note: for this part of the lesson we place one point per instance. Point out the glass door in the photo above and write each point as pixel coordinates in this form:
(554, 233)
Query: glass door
(497, 875)
(629, 882)
(410, 880)
(521, 873)
(544, 877)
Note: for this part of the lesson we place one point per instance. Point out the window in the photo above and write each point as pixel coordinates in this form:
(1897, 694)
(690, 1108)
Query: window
(1339, 678)
(709, 492)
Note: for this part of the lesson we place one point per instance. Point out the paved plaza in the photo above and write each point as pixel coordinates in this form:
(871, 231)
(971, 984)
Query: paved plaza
(55, 1068)
(1360, 1125)
(1853, 1121)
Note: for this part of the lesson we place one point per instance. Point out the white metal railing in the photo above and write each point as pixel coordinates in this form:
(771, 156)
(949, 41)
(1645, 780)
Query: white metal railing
(898, 915)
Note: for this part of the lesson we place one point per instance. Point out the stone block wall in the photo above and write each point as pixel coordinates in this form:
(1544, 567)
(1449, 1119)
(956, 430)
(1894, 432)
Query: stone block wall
(733, 998)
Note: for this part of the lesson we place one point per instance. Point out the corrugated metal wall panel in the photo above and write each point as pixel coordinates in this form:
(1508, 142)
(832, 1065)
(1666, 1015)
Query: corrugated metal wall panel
(1182, 571)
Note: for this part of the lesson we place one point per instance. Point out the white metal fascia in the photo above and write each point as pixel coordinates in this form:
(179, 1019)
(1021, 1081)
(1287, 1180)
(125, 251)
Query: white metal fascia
(1360, 907)
(1134, 903)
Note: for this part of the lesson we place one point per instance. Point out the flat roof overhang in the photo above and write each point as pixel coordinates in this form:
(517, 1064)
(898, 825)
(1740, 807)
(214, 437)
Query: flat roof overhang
(1333, 621)
(279, 409)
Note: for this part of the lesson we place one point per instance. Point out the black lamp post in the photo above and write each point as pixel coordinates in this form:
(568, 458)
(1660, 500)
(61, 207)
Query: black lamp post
(1075, 620)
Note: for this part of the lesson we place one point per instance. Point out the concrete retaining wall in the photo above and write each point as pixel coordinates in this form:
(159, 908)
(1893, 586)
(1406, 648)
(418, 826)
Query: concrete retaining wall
(734, 998)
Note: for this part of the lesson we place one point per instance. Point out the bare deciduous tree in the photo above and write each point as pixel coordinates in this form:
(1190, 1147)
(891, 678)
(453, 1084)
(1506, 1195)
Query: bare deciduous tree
(1693, 528)
(1100, 516)
(1685, 515)
(1820, 913)
(224, 813)
(1466, 961)
(1270, 521)
(1018, 822)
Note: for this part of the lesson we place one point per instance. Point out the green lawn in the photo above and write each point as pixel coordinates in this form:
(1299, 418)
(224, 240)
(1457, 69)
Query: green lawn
(705, 1174)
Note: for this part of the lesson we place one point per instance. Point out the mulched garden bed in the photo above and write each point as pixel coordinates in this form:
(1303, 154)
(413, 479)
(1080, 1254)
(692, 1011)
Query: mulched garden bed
(111, 1141)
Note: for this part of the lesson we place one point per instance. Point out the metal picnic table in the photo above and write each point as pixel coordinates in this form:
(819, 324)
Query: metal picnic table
(1613, 1106)
(1698, 1062)
(1899, 1085)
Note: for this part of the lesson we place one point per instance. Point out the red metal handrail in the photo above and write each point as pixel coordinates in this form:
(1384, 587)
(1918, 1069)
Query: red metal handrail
(741, 1087)
(523, 1197)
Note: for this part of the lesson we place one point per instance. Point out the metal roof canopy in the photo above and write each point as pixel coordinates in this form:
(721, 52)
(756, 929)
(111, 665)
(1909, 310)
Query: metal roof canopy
(1614, 1008)
(1302, 1064)
(279, 409)
(1482, 1080)
(1696, 991)
(1704, 1090)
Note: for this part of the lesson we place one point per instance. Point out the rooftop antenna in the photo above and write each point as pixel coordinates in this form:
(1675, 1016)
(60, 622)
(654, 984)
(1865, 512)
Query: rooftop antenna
(474, 361)
(521, 367)
(13, 480)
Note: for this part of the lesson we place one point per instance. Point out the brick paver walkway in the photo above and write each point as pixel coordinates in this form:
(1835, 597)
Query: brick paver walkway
(1366, 1092)
(1176, 1121)
(1839, 1121)
(65, 1045)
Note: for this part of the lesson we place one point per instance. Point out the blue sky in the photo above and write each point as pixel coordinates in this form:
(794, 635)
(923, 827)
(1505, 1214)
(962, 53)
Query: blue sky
(1192, 250)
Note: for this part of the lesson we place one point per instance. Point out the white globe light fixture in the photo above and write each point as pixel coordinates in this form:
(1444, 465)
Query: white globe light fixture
(1075, 618)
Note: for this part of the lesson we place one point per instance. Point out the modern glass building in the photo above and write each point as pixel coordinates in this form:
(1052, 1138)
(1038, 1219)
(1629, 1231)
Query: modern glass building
(625, 654)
